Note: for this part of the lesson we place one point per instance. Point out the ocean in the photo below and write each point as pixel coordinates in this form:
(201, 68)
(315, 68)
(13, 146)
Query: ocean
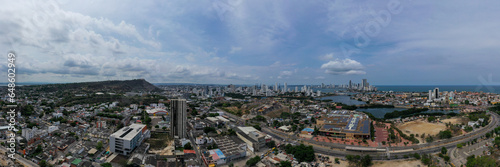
(426, 88)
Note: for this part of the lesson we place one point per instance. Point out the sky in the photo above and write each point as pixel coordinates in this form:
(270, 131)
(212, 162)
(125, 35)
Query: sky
(388, 42)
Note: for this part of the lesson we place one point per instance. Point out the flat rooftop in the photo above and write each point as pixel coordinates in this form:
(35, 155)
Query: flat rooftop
(248, 130)
(128, 132)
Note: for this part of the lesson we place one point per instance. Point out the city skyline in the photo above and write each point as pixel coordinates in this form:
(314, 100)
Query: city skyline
(246, 42)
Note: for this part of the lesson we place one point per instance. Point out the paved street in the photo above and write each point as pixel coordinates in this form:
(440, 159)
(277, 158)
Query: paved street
(21, 159)
(459, 155)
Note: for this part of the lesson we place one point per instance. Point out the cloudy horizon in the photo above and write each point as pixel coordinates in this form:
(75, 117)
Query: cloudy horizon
(390, 42)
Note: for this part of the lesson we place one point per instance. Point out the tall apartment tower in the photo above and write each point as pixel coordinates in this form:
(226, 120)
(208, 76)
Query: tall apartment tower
(430, 95)
(285, 89)
(178, 118)
(436, 93)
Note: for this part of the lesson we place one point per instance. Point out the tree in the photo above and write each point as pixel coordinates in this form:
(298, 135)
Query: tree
(106, 165)
(271, 144)
(164, 128)
(43, 163)
(253, 161)
(301, 152)
(188, 146)
(194, 112)
(156, 126)
(257, 127)
(445, 134)
(459, 145)
(444, 150)
(209, 129)
(416, 155)
(482, 161)
(497, 142)
(316, 131)
(431, 119)
(285, 164)
(429, 139)
(366, 161)
(447, 158)
(99, 145)
(337, 160)
(294, 128)
(38, 150)
(426, 160)
(357, 160)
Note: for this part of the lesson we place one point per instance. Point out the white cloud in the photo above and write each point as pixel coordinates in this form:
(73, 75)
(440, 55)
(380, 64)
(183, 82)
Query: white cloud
(320, 77)
(235, 49)
(328, 56)
(343, 67)
(285, 74)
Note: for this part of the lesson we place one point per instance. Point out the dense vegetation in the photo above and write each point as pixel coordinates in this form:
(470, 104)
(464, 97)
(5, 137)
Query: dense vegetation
(377, 106)
(410, 138)
(346, 107)
(137, 85)
(372, 131)
(253, 161)
(445, 134)
(482, 161)
(235, 95)
(301, 152)
(357, 160)
(404, 113)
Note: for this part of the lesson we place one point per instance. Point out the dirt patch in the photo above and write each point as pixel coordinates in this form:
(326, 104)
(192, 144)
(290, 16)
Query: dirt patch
(420, 127)
(277, 113)
(398, 163)
(236, 110)
(454, 120)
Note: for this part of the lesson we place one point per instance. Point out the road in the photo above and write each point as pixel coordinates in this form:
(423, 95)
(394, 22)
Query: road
(459, 155)
(195, 147)
(24, 161)
(336, 149)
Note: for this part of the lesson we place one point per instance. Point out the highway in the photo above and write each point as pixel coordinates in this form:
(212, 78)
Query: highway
(336, 149)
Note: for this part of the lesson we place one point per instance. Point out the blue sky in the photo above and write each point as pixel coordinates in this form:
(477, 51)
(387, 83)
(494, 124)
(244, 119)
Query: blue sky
(389, 42)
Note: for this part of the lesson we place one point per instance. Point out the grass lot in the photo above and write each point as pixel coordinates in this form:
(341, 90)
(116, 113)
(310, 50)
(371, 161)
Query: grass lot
(159, 141)
(420, 127)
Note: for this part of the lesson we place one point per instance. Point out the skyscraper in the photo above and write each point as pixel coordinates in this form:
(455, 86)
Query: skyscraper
(430, 95)
(285, 89)
(436, 93)
(178, 117)
(365, 83)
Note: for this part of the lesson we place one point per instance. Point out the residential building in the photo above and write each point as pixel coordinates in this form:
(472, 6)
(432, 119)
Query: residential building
(178, 118)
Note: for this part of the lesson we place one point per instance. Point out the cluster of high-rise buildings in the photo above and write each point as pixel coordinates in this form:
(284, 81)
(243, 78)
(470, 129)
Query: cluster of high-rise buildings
(266, 90)
(363, 86)
(435, 95)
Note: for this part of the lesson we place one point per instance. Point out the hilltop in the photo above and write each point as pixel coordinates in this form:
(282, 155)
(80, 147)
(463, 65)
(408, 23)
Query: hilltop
(116, 86)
